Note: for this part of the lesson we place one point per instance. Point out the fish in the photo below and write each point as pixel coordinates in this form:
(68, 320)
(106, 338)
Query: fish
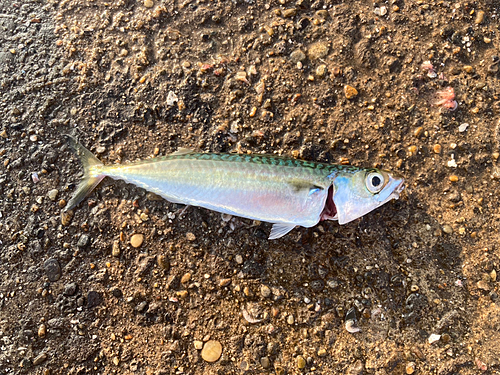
(283, 191)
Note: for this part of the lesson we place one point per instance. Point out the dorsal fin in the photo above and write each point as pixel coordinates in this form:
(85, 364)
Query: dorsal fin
(182, 151)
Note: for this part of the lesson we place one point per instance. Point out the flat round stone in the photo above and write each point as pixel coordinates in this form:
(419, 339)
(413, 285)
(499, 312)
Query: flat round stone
(212, 351)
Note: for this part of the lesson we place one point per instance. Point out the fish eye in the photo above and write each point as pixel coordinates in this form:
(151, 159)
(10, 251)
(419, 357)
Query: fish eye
(375, 182)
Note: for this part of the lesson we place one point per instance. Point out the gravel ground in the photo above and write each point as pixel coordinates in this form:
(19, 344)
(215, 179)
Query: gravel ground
(128, 285)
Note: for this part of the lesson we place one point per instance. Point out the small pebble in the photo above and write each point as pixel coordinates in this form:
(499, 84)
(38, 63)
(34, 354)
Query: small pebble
(211, 351)
(190, 236)
(321, 352)
(483, 285)
(463, 127)
(42, 330)
(94, 299)
(148, 3)
(447, 229)
(142, 307)
(182, 294)
(437, 149)
(410, 368)
(52, 269)
(224, 282)
(198, 345)
(70, 289)
(274, 312)
(493, 275)
(244, 366)
(290, 319)
(321, 70)
(433, 338)
(185, 279)
(301, 362)
(239, 259)
(40, 358)
(163, 262)
(265, 291)
(116, 361)
(297, 56)
(350, 92)
(468, 69)
(382, 11)
(115, 250)
(136, 240)
(66, 217)
(317, 51)
(52, 194)
(288, 13)
(453, 178)
(479, 17)
(247, 292)
(264, 362)
(83, 241)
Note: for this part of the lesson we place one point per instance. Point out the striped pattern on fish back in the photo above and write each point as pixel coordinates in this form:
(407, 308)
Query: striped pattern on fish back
(262, 159)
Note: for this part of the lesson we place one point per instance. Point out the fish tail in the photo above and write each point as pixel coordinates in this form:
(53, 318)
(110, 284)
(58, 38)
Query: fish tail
(92, 172)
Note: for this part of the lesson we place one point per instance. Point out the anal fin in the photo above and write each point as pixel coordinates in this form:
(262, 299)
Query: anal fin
(279, 230)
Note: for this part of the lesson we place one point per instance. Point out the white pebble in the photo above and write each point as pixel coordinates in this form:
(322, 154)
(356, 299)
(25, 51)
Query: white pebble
(172, 98)
(433, 338)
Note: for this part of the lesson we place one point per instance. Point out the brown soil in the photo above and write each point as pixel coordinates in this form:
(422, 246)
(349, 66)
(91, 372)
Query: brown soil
(134, 79)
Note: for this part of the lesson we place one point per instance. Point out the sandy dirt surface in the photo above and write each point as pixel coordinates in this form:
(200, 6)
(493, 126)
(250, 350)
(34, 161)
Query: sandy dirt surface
(334, 81)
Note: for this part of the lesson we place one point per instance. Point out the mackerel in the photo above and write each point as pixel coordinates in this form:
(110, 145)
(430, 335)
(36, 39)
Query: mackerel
(282, 191)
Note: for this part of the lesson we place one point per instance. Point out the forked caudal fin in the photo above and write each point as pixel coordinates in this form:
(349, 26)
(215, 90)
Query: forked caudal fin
(91, 172)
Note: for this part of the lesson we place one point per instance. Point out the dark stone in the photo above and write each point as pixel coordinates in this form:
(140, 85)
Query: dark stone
(70, 289)
(94, 299)
(117, 292)
(52, 269)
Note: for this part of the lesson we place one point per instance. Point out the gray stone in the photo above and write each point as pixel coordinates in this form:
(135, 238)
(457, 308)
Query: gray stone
(83, 241)
(70, 289)
(52, 269)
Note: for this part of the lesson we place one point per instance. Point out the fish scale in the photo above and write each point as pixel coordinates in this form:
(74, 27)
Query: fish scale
(283, 191)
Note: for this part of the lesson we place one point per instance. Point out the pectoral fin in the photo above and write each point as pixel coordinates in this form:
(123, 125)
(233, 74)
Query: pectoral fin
(305, 186)
(279, 230)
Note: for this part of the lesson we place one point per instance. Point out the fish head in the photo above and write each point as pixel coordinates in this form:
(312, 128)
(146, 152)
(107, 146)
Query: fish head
(359, 192)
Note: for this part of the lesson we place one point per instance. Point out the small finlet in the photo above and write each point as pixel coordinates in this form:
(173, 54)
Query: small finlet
(279, 230)
(182, 151)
